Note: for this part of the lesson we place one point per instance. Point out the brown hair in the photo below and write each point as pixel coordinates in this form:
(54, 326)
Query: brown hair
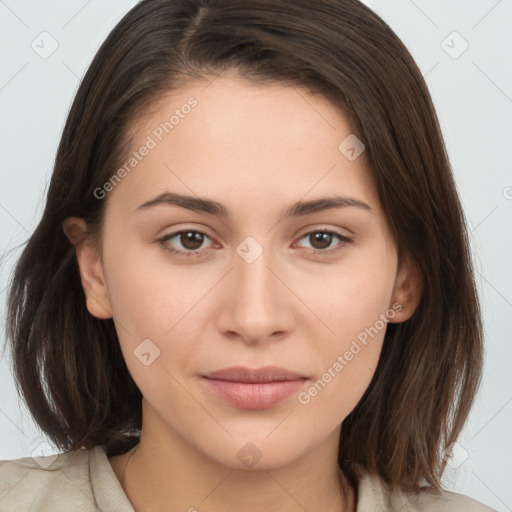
(68, 364)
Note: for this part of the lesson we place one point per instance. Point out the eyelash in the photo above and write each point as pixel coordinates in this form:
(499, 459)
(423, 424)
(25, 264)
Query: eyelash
(343, 239)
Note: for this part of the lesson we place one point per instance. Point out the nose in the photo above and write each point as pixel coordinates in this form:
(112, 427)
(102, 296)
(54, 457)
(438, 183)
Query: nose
(257, 305)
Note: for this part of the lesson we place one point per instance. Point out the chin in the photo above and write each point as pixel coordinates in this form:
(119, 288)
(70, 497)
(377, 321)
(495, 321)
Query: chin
(257, 453)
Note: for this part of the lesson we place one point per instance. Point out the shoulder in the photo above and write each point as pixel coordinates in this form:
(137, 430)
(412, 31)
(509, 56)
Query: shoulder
(374, 494)
(52, 482)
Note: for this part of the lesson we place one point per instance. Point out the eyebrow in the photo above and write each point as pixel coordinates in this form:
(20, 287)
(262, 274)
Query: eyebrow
(298, 209)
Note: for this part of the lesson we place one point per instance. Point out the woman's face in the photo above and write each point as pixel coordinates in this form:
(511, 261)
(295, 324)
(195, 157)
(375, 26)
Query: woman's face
(270, 275)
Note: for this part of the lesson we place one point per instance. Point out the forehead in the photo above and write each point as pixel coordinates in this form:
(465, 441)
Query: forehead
(227, 138)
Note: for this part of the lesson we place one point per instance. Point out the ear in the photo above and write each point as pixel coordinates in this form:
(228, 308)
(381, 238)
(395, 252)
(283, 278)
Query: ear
(91, 268)
(407, 290)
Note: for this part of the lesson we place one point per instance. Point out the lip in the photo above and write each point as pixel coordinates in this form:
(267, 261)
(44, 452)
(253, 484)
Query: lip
(244, 374)
(248, 388)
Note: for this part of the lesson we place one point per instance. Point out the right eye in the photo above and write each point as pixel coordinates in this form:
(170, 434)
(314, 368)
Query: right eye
(190, 239)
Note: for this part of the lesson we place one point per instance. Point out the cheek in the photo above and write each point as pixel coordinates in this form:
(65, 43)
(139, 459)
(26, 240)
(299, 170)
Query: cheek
(347, 359)
(351, 296)
(156, 307)
(151, 295)
(154, 298)
(334, 394)
(354, 305)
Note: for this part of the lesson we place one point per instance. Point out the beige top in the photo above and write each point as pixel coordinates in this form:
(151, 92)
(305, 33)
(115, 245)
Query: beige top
(83, 480)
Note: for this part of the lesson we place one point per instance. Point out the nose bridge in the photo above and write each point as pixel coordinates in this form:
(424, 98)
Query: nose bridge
(257, 308)
(256, 285)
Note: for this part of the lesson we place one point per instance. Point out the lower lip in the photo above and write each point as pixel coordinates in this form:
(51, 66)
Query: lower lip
(259, 395)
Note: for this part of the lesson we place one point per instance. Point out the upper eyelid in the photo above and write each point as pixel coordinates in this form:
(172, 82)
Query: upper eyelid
(205, 230)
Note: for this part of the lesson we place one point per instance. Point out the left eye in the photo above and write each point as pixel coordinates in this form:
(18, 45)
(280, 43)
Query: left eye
(191, 241)
(324, 239)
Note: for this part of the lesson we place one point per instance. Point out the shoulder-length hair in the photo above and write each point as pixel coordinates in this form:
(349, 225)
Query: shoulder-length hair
(68, 365)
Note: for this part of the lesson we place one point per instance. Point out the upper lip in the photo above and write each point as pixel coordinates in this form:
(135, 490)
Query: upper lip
(244, 374)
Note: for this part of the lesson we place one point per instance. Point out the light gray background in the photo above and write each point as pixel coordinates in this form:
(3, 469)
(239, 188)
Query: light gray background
(473, 97)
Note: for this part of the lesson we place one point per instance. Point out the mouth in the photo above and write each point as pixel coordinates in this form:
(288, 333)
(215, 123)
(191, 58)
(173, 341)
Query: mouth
(254, 389)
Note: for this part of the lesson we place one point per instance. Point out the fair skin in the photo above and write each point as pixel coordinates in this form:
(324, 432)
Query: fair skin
(256, 150)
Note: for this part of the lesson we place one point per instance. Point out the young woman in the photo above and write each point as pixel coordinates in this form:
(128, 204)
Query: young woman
(251, 286)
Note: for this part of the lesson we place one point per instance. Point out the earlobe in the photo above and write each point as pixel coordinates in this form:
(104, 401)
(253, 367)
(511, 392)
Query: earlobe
(407, 291)
(90, 267)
